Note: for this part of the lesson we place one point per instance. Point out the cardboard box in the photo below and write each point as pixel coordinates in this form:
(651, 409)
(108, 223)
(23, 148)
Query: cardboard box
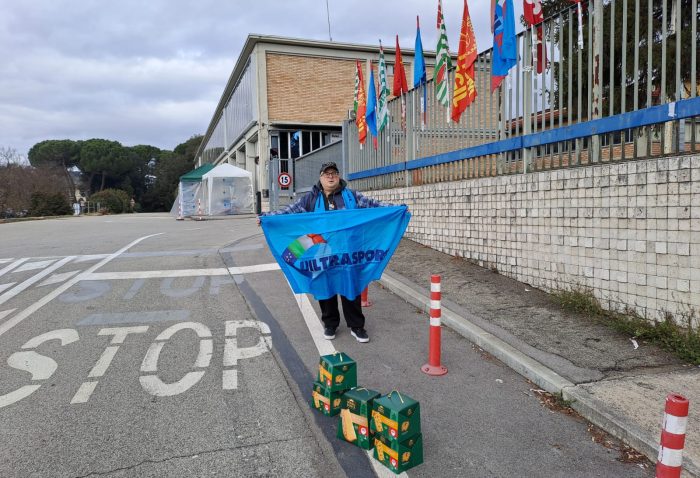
(355, 413)
(326, 401)
(399, 456)
(395, 416)
(337, 372)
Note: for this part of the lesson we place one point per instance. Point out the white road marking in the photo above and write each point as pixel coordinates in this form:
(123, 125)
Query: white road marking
(57, 278)
(40, 366)
(230, 379)
(153, 384)
(233, 353)
(150, 360)
(32, 266)
(325, 347)
(120, 333)
(156, 274)
(90, 257)
(60, 289)
(314, 325)
(100, 368)
(32, 280)
(15, 264)
(6, 260)
(217, 271)
(6, 286)
(104, 362)
(84, 392)
(4, 313)
(17, 395)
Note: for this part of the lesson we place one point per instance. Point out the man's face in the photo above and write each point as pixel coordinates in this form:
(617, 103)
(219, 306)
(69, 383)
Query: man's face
(330, 179)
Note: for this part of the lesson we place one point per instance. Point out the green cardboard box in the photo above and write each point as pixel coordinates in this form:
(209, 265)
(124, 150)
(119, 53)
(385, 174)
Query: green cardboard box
(337, 372)
(399, 456)
(326, 401)
(395, 416)
(355, 413)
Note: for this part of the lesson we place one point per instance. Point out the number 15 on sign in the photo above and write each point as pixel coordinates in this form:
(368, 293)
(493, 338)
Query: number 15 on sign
(284, 180)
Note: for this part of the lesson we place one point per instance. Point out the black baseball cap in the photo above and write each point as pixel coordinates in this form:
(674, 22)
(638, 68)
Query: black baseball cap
(329, 165)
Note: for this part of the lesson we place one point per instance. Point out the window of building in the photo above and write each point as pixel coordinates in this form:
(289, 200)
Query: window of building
(305, 142)
(284, 144)
(294, 140)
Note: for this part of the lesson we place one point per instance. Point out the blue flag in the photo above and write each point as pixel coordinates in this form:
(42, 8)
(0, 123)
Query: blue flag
(335, 252)
(419, 76)
(505, 54)
(371, 114)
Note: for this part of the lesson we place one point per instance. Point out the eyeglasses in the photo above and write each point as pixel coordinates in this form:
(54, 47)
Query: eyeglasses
(331, 175)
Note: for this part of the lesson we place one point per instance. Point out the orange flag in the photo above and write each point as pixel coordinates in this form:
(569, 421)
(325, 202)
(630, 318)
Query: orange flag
(465, 87)
(360, 119)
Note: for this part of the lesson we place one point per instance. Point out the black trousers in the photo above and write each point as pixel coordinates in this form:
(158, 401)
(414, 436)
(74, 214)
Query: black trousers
(352, 310)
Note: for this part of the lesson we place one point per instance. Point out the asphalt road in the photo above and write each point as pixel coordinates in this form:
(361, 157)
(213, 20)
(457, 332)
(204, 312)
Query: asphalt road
(137, 345)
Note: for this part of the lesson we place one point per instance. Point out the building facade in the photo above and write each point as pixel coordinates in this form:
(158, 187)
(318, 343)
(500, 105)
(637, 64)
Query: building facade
(285, 98)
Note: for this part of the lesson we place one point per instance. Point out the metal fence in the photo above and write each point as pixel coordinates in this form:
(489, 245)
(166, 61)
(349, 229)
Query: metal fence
(307, 167)
(623, 87)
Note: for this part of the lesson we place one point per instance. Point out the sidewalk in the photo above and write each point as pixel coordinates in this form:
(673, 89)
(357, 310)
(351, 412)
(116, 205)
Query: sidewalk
(612, 384)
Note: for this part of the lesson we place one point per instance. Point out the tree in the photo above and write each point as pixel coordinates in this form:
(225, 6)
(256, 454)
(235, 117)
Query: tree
(10, 156)
(137, 180)
(168, 169)
(620, 77)
(62, 153)
(107, 158)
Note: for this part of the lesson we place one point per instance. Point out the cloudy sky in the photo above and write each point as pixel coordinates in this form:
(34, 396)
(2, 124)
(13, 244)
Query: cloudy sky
(152, 71)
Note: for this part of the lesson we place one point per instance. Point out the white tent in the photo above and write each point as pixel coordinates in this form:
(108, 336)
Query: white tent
(228, 190)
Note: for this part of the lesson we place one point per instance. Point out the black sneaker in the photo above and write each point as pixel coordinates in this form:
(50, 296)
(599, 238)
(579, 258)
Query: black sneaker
(329, 333)
(360, 334)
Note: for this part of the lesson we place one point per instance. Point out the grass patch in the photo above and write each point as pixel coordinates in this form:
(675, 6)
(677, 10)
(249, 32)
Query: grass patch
(678, 336)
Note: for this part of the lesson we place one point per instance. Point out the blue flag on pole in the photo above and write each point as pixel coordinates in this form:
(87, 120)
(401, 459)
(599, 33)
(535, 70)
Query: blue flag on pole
(505, 54)
(335, 252)
(419, 75)
(371, 114)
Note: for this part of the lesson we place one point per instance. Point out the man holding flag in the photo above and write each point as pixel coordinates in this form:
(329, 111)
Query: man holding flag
(334, 249)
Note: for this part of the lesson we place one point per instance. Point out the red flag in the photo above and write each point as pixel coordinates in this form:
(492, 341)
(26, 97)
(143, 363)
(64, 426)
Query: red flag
(532, 11)
(360, 119)
(400, 84)
(465, 87)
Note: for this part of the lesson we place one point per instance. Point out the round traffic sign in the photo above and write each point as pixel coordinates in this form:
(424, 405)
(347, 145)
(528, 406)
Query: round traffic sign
(284, 179)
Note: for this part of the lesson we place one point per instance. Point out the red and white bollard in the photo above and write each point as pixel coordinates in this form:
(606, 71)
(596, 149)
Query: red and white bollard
(200, 217)
(364, 299)
(668, 464)
(180, 217)
(434, 367)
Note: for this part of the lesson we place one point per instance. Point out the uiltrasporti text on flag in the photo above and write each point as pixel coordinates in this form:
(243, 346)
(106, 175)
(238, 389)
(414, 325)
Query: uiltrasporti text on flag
(335, 252)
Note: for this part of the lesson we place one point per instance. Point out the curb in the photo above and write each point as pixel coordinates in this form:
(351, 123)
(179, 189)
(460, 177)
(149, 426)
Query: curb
(583, 402)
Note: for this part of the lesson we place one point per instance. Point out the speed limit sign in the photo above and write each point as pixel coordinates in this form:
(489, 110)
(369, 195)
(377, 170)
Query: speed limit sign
(284, 180)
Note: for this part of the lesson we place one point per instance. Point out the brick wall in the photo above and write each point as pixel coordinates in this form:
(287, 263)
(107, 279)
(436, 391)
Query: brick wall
(309, 89)
(628, 231)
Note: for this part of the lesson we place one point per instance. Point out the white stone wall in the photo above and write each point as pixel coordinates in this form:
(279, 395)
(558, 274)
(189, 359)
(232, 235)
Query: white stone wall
(628, 231)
